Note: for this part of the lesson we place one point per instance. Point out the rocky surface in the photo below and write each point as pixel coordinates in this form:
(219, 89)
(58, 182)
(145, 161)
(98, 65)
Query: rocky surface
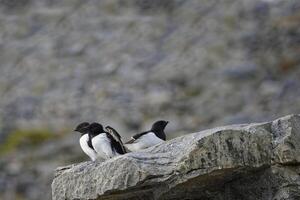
(248, 161)
(198, 64)
(67, 61)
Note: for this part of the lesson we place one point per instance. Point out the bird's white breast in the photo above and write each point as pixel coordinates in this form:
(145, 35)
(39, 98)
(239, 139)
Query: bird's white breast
(145, 141)
(102, 146)
(85, 147)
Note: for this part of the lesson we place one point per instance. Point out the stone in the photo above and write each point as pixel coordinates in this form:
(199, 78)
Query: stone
(248, 161)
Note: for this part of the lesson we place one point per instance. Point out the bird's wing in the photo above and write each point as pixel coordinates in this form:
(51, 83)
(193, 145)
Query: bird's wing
(135, 137)
(130, 141)
(113, 133)
(89, 142)
(116, 139)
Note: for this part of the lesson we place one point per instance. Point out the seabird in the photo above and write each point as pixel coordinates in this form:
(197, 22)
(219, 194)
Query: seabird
(104, 143)
(85, 140)
(149, 138)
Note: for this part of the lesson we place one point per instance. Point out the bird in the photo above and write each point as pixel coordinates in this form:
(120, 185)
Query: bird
(85, 140)
(105, 144)
(149, 138)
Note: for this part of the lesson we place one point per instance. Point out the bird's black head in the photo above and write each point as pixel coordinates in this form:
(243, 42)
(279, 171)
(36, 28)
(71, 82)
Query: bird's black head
(96, 128)
(82, 127)
(159, 125)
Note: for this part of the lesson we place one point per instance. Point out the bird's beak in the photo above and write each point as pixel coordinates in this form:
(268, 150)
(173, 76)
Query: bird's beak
(167, 122)
(75, 130)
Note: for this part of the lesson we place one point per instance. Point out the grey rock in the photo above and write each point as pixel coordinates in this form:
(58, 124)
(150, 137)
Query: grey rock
(248, 161)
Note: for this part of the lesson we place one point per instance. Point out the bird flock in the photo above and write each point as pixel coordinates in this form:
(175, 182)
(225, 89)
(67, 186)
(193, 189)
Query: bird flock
(105, 144)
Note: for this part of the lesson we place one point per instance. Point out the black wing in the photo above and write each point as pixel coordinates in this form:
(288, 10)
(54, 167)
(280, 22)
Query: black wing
(113, 132)
(90, 142)
(136, 136)
(116, 140)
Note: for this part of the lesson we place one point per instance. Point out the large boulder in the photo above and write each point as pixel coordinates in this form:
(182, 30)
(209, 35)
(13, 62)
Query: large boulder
(248, 161)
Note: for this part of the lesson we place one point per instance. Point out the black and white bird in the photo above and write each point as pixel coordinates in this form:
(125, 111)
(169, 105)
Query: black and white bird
(85, 140)
(106, 145)
(149, 138)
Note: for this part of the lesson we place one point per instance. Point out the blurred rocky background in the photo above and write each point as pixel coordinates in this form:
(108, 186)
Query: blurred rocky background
(198, 64)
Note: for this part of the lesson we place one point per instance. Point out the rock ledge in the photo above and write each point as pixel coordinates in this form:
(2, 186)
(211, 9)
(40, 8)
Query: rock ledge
(248, 161)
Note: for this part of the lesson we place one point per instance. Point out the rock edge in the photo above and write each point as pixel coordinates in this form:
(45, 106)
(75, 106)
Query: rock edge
(248, 161)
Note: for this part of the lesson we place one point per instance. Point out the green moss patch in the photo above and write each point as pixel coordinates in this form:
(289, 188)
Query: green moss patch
(19, 138)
